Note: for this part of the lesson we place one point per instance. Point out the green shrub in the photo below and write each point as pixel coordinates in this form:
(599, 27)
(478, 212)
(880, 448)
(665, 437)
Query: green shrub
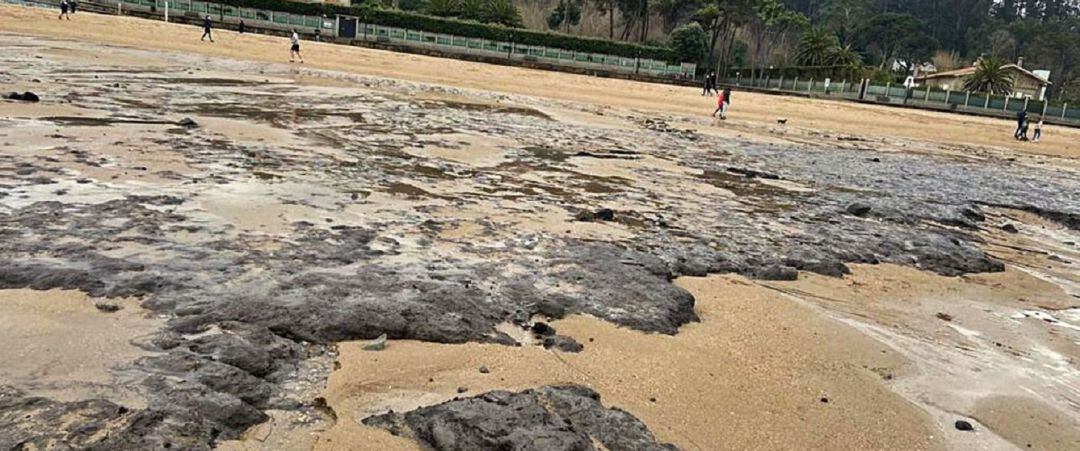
(412, 5)
(402, 19)
(690, 42)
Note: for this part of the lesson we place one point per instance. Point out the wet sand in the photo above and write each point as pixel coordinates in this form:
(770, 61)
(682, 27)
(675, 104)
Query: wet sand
(758, 372)
(58, 344)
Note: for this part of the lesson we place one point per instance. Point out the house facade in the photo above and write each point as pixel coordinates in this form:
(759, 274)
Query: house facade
(1026, 84)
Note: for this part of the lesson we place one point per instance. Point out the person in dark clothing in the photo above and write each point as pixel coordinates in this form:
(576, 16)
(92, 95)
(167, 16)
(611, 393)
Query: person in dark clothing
(241, 27)
(707, 85)
(73, 5)
(64, 10)
(318, 35)
(1021, 121)
(206, 25)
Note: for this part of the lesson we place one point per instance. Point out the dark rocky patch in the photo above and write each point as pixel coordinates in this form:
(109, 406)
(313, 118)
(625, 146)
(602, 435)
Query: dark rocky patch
(24, 97)
(566, 417)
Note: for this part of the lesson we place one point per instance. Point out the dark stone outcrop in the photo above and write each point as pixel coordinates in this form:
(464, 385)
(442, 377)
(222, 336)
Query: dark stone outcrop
(565, 417)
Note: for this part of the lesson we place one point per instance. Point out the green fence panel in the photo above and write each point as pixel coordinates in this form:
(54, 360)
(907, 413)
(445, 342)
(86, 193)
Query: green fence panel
(412, 35)
(1073, 113)
(296, 20)
(229, 11)
(459, 41)
(281, 18)
(397, 33)
(313, 21)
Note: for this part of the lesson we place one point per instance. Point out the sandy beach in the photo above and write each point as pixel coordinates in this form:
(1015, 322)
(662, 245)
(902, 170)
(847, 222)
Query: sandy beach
(717, 285)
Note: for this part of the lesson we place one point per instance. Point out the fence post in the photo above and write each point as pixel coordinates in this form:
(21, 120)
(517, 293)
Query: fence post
(795, 84)
(888, 89)
(947, 93)
(811, 87)
(967, 96)
(1064, 108)
(768, 79)
(987, 104)
(1006, 107)
(927, 97)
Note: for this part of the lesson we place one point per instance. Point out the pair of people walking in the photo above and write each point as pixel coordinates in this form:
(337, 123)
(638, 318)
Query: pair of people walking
(722, 104)
(710, 84)
(1022, 125)
(294, 50)
(67, 6)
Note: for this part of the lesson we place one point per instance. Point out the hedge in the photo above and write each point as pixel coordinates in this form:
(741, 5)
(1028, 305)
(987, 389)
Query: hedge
(804, 72)
(432, 24)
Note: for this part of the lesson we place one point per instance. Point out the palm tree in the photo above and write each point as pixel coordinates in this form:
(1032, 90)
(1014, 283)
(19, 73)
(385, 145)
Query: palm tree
(843, 56)
(815, 47)
(989, 76)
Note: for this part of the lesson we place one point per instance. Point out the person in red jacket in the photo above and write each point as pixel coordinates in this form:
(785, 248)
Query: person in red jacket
(722, 103)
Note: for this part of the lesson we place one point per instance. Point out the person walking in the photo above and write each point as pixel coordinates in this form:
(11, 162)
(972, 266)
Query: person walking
(726, 103)
(706, 85)
(722, 103)
(64, 10)
(1021, 120)
(294, 51)
(73, 4)
(206, 26)
(318, 35)
(240, 28)
(1038, 131)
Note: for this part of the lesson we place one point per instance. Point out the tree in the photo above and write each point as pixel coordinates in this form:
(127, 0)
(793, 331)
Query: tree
(989, 76)
(721, 19)
(815, 46)
(691, 42)
(769, 25)
(501, 12)
(946, 60)
(843, 16)
(567, 13)
(608, 7)
(896, 37)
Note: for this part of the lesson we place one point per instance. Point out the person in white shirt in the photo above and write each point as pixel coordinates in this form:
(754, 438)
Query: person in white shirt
(295, 50)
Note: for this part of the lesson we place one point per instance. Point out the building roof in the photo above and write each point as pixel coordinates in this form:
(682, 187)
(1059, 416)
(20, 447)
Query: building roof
(958, 73)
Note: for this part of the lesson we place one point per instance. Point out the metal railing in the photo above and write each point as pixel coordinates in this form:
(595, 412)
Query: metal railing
(918, 97)
(329, 29)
